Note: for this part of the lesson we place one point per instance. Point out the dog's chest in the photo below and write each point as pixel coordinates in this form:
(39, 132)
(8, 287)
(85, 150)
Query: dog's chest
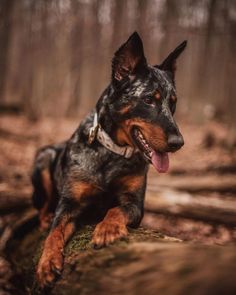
(103, 167)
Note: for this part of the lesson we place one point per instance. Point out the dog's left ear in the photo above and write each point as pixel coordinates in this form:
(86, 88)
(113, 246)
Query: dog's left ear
(169, 64)
(128, 59)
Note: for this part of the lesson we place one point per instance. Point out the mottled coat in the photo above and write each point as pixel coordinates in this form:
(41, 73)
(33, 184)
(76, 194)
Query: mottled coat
(78, 182)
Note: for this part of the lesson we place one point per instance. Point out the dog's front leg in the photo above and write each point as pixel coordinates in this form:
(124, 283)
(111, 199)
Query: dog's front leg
(76, 196)
(111, 228)
(51, 262)
(129, 212)
(114, 225)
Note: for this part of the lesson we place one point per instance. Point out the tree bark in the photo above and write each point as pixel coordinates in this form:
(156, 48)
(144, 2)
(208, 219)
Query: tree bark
(145, 262)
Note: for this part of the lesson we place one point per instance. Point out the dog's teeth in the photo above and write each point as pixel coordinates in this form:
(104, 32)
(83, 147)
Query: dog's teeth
(142, 140)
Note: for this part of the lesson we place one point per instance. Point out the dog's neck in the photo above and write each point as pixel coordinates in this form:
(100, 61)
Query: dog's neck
(113, 130)
(106, 121)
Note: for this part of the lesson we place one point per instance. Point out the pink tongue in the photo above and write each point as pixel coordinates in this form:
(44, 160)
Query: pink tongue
(160, 161)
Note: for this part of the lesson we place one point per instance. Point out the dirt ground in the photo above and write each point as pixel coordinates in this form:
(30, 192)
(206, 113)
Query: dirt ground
(206, 165)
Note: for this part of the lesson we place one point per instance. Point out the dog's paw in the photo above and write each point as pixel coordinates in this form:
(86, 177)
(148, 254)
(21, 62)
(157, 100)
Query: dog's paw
(49, 268)
(107, 232)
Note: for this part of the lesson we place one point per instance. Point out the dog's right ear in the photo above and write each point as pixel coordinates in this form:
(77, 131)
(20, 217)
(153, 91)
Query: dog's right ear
(128, 59)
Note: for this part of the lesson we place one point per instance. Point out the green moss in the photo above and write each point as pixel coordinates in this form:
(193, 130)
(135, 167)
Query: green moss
(141, 234)
(80, 241)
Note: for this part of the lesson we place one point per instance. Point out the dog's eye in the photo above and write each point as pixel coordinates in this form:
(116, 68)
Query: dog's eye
(148, 100)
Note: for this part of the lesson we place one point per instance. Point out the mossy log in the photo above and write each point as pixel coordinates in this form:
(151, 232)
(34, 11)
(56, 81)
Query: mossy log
(146, 262)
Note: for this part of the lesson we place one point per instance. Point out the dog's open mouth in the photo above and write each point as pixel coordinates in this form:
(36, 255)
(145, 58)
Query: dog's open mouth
(159, 160)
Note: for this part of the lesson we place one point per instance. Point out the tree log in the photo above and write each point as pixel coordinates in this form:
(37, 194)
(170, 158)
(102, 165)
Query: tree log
(206, 183)
(147, 262)
(206, 208)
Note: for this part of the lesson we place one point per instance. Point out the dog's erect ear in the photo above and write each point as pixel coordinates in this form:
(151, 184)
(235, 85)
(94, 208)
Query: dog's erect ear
(169, 64)
(128, 59)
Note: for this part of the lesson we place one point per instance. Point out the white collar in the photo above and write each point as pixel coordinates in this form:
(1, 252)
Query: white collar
(97, 132)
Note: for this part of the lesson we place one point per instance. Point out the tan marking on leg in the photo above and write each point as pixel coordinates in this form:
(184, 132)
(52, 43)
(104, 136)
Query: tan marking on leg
(51, 261)
(45, 216)
(113, 227)
(47, 182)
(69, 230)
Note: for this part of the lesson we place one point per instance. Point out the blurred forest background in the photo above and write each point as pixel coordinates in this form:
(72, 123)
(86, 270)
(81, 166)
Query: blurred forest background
(58, 52)
(55, 61)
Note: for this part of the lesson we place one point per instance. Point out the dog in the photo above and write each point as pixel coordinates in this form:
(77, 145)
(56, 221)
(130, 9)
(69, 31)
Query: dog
(99, 174)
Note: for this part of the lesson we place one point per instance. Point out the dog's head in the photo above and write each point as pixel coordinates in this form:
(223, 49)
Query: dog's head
(142, 102)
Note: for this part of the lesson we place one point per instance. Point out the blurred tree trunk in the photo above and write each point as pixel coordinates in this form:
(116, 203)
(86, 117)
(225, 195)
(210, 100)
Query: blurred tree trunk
(76, 55)
(231, 83)
(6, 9)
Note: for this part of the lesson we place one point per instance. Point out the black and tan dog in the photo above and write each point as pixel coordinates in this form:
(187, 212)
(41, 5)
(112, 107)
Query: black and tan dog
(100, 173)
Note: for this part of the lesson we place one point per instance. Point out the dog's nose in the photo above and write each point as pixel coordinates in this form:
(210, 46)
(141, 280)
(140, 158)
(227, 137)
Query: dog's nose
(175, 142)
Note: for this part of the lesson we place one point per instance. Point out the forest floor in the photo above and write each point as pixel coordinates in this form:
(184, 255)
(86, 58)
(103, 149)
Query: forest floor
(195, 201)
